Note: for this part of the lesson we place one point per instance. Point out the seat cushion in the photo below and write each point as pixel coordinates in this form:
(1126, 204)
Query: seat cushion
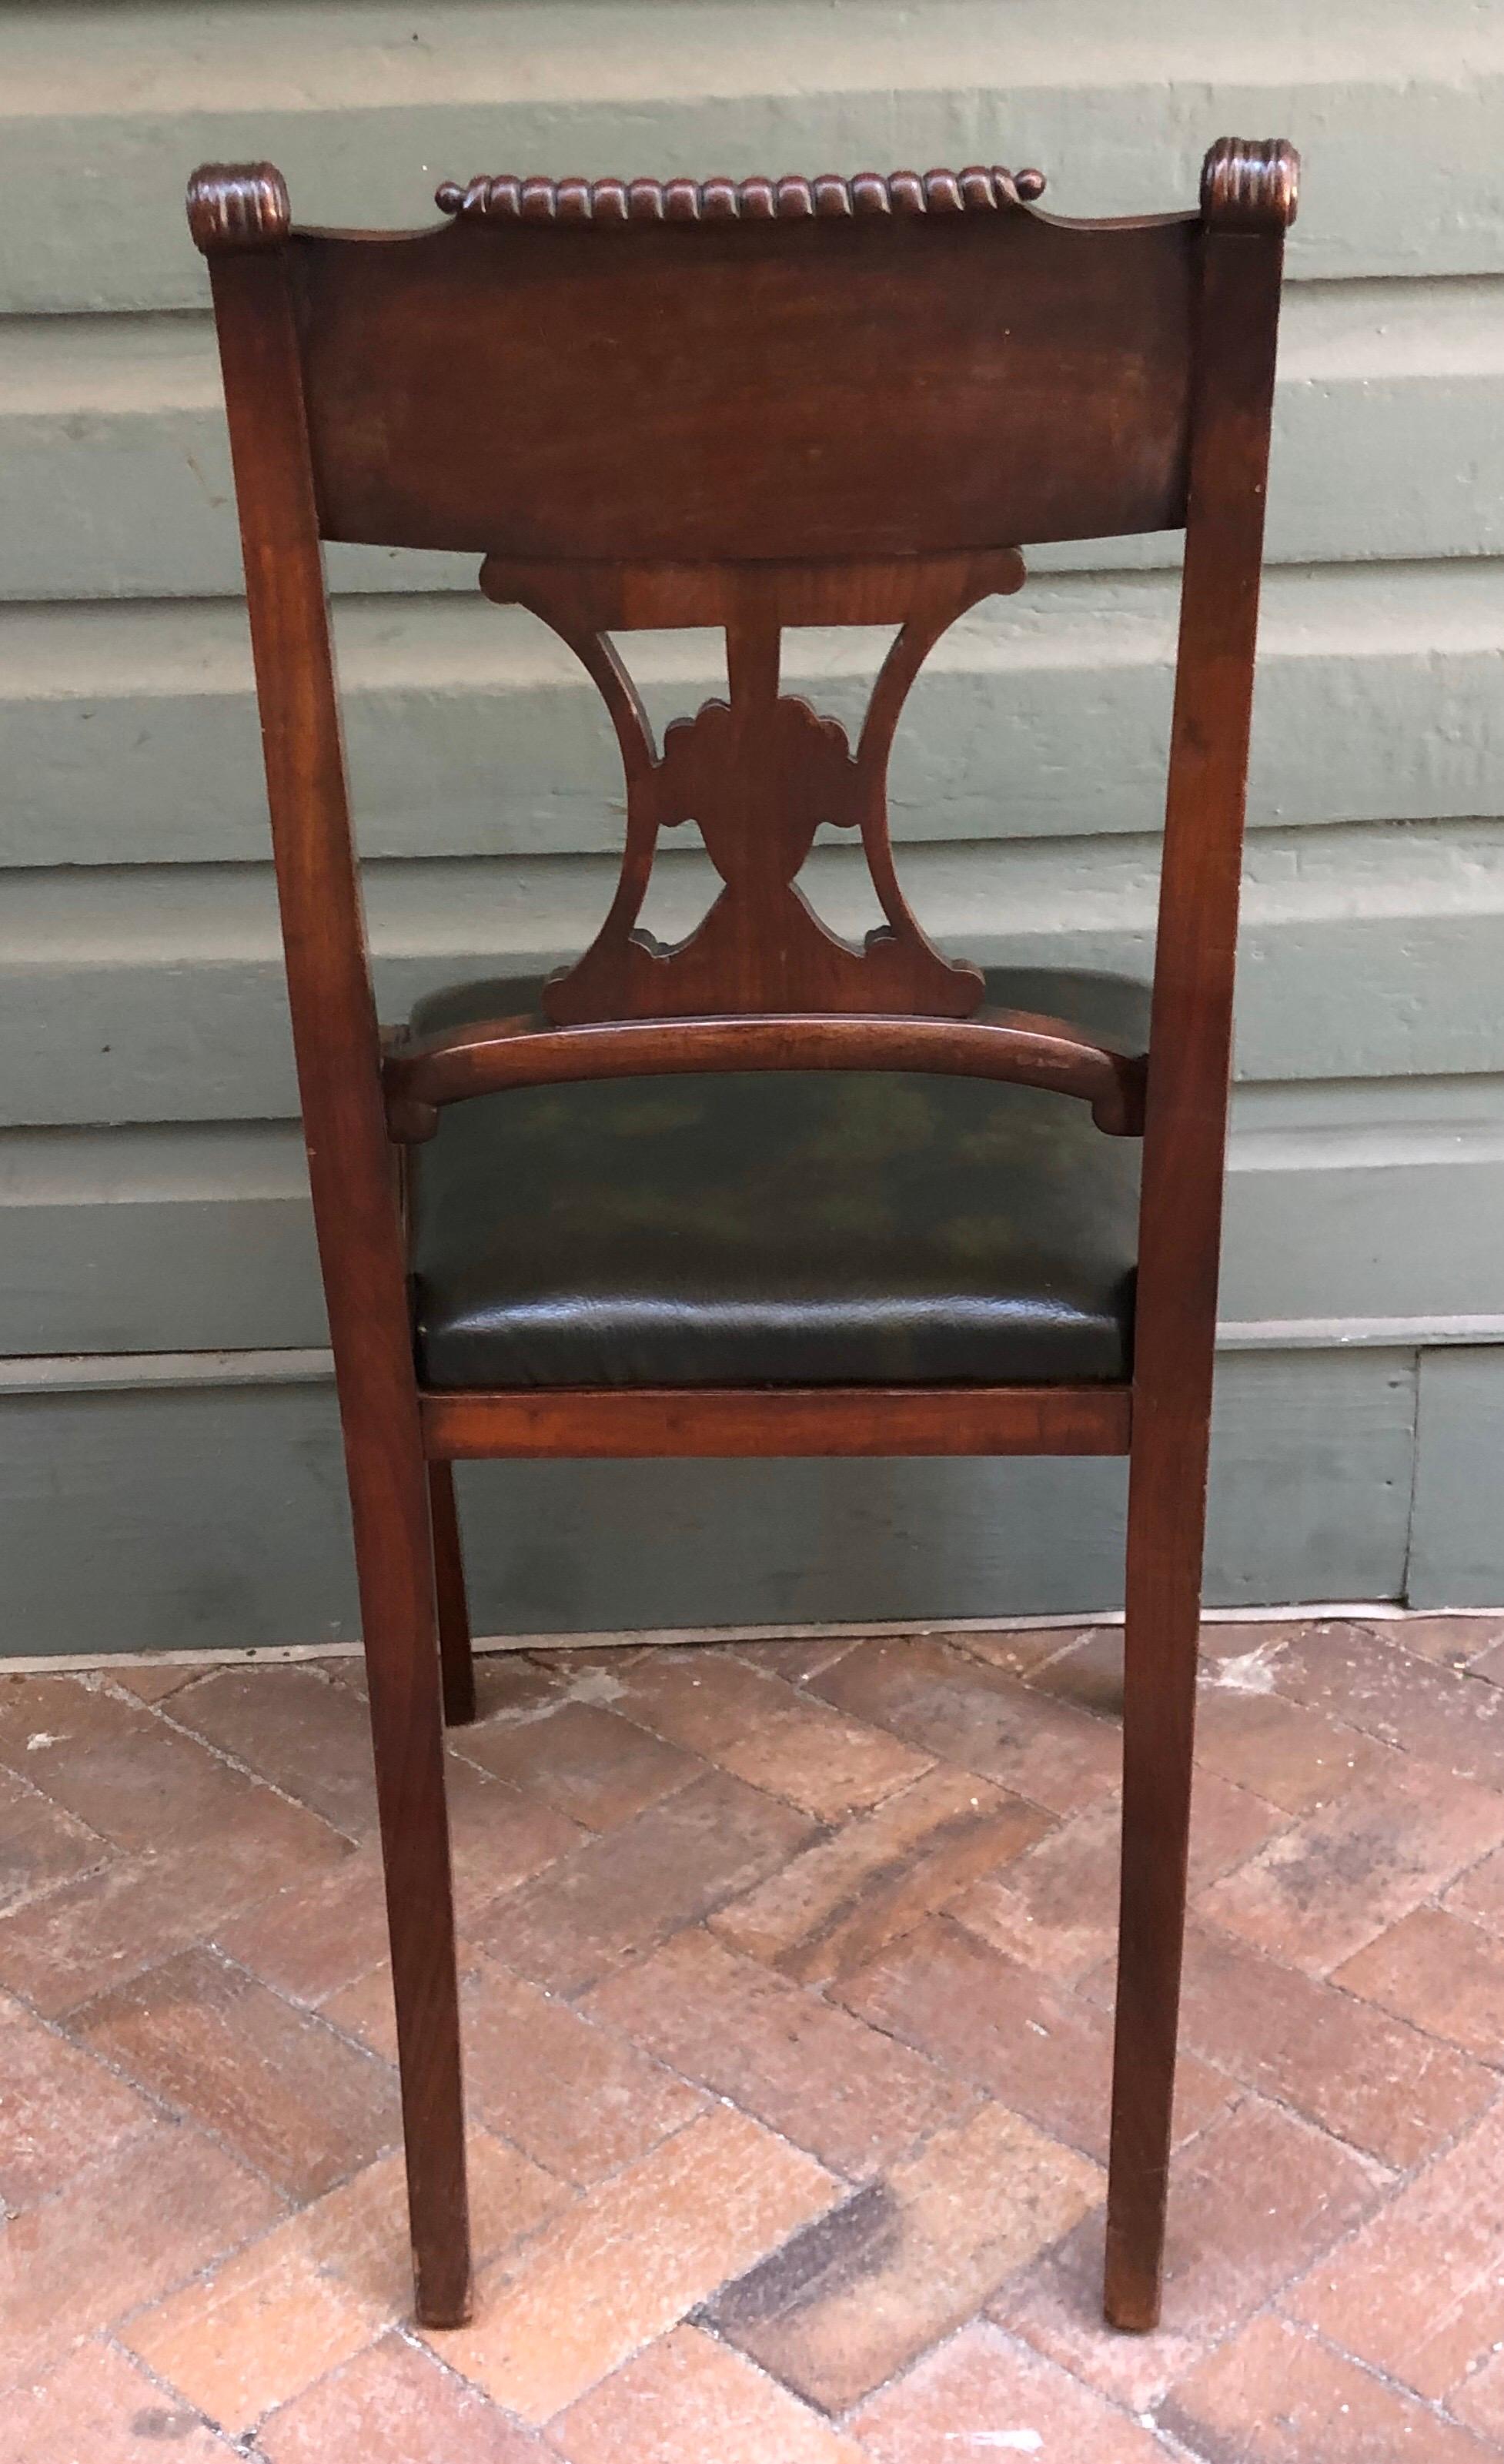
(776, 1228)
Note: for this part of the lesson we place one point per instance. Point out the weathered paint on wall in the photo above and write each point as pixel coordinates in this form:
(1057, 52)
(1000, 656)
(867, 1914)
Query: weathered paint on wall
(152, 1201)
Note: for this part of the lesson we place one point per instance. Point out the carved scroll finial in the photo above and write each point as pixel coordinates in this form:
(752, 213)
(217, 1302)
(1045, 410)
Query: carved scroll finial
(237, 204)
(1250, 184)
(508, 199)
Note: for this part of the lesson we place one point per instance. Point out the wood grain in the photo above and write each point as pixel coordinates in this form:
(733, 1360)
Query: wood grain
(565, 379)
(645, 1420)
(1008, 1045)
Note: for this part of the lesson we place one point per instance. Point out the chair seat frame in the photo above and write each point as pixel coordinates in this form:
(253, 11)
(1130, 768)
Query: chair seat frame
(365, 1096)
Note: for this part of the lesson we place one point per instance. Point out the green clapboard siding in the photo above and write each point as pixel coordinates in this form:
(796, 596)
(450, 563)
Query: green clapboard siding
(168, 1457)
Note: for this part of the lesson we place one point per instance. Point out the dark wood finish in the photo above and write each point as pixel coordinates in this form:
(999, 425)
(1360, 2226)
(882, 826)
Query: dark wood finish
(913, 384)
(355, 1210)
(639, 1421)
(457, 1660)
(604, 597)
(1247, 200)
(754, 404)
(758, 773)
(1006, 1045)
(977, 189)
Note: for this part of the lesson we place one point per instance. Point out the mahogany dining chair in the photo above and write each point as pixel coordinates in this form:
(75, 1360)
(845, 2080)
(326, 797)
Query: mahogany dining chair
(748, 405)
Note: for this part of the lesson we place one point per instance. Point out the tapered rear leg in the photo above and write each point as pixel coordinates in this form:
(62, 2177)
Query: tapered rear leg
(457, 1658)
(1165, 1531)
(395, 1565)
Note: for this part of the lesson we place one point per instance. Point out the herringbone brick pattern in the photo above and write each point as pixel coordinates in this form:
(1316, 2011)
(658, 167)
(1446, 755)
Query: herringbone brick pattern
(788, 2006)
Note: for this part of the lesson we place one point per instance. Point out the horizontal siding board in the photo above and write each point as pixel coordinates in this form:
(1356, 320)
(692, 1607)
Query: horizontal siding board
(178, 1490)
(199, 1237)
(156, 994)
(129, 733)
(153, 1239)
(365, 107)
(114, 477)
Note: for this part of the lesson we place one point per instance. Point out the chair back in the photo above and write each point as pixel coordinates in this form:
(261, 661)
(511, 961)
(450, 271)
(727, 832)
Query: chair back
(752, 406)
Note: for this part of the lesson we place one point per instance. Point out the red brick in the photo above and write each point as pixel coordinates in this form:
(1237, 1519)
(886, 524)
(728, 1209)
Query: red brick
(315, 1935)
(152, 1680)
(1298, 1759)
(631, 1888)
(631, 2258)
(40, 1846)
(1055, 1908)
(1479, 2401)
(582, 1759)
(767, 1733)
(1275, 2396)
(73, 1941)
(578, 1664)
(510, 1682)
(497, 1837)
(952, 1704)
(1088, 1671)
(843, 1899)
(1445, 1974)
(263, 2326)
(1488, 1664)
(314, 2292)
(984, 2391)
(572, 2094)
(854, 2099)
(408, 2411)
(1455, 1639)
(860, 2292)
(1043, 2050)
(1246, 1638)
(97, 2407)
(1383, 2087)
(160, 2207)
(1479, 1893)
(284, 2091)
(1018, 1649)
(688, 2399)
(1456, 1721)
(310, 1737)
(321, 1934)
(1323, 1888)
(798, 1657)
(119, 1767)
(59, 2110)
(1252, 2202)
(1419, 2292)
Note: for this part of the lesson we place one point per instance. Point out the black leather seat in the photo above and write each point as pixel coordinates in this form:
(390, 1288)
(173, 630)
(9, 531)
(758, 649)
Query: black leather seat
(774, 1228)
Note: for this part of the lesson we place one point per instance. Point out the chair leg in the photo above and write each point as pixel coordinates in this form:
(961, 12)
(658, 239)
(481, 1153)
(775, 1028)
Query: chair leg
(1166, 1535)
(456, 1660)
(395, 1563)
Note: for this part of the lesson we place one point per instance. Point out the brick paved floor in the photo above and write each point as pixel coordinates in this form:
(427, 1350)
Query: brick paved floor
(788, 1993)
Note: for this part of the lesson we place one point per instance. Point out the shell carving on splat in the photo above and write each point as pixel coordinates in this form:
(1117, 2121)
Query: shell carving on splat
(758, 783)
(757, 774)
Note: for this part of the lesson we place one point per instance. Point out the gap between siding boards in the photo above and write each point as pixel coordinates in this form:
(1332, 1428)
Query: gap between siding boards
(665, 1637)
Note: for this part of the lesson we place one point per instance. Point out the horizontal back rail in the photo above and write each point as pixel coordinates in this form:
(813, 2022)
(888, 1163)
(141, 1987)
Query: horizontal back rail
(734, 389)
(677, 1420)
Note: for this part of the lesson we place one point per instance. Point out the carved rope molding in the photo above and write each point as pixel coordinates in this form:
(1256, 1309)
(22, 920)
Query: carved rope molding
(1247, 184)
(508, 199)
(1250, 184)
(237, 204)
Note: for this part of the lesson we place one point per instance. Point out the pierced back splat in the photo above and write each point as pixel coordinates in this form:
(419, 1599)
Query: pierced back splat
(758, 773)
